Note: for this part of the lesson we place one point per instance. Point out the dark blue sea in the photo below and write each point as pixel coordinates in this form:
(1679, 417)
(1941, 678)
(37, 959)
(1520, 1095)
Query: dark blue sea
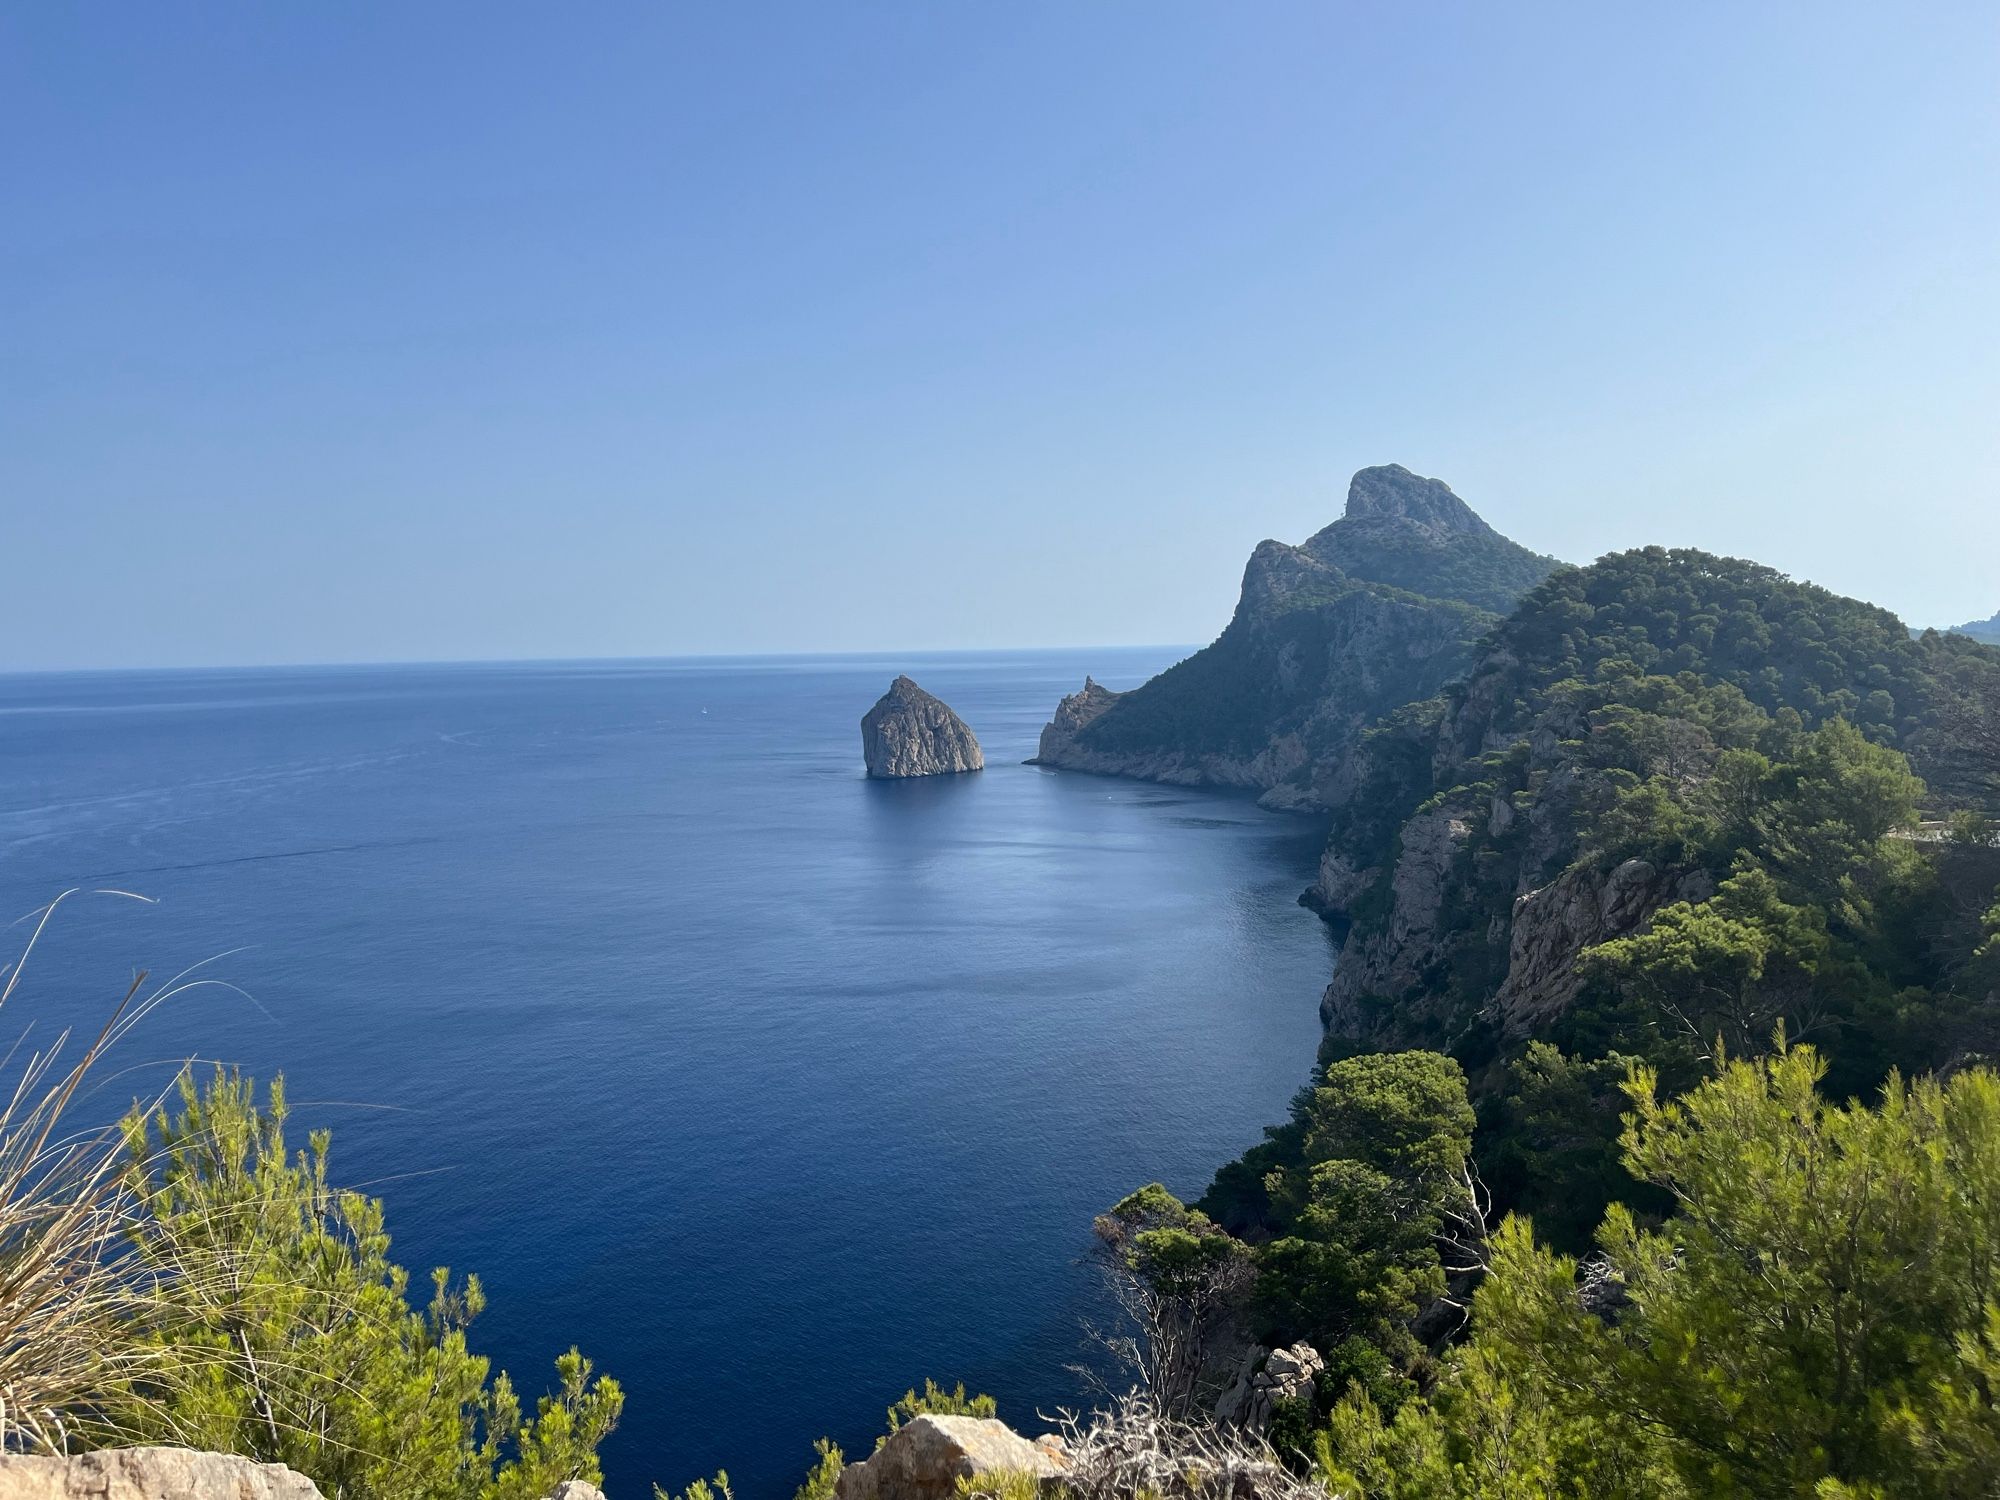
(774, 1088)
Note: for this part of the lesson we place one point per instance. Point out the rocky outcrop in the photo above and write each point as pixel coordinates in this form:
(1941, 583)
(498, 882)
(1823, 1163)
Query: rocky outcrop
(1073, 715)
(910, 733)
(927, 1456)
(1382, 608)
(162, 1473)
(1266, 1378)
(1581, 908)
(1392, 492)
(150, 1474)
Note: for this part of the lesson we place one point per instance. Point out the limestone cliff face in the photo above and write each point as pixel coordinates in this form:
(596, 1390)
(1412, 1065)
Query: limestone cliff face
(1382, 608)
(1380, 986)
(1073, 715)
(910, 733)
(1582, 907)
(1473, 909)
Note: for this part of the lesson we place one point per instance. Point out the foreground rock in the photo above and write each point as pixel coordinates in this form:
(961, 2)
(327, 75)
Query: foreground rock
(926, 1457)
(151, 1474)
(175, 1474)
(910, 733)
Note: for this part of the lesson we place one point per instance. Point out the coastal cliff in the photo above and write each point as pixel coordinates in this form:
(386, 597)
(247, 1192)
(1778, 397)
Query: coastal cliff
(1484, 842)
(1077, 712)
(1381, 608)
(910, 733)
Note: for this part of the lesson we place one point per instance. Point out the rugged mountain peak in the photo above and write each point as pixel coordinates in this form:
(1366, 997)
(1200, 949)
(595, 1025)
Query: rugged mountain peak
(1382, 608)
(910, 733)
(1393, 492)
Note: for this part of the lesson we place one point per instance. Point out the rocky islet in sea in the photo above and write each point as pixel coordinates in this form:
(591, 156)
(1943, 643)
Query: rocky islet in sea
(911, 733)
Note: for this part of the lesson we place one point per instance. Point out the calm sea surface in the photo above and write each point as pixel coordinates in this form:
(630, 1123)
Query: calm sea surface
(774, 1088)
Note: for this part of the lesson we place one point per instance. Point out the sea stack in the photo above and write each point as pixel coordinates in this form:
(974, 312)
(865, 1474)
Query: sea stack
(910, 733)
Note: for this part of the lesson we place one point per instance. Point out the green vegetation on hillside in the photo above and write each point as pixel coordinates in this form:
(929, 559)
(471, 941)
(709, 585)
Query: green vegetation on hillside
(1382, 607)
(1478, 566)
(1819, 1316)
(1232, 698)
(1756, 820)
(1703, 715)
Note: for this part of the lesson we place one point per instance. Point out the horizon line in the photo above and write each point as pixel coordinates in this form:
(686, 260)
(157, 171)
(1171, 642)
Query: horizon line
(544, 661)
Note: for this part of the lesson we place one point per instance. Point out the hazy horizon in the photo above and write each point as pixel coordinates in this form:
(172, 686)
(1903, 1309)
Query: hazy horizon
(366, 336)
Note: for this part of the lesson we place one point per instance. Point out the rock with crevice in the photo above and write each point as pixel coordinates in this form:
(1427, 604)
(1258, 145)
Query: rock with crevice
(911, 733)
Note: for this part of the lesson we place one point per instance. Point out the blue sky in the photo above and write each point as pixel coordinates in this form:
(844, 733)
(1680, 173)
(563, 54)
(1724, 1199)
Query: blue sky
(364, 332)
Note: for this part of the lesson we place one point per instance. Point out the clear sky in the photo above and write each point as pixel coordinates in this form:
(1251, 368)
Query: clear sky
(340, 332)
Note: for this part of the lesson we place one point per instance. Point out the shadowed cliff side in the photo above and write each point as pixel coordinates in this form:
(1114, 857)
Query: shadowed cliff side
(1380, 608)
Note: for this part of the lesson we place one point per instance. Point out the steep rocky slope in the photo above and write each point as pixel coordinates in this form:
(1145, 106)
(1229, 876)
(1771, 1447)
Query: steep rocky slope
(1380, 608)
(1468, 856)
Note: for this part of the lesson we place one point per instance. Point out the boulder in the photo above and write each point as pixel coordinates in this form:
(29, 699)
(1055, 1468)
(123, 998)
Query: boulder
(910, 733)
(925, 1458)
(150, 1474)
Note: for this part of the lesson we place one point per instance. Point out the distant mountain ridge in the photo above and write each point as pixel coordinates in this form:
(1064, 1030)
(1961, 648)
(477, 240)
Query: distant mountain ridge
(1980, 630)
(1380, 608)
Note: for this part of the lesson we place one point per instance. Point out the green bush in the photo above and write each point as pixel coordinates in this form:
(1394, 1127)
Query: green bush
(284, 1332)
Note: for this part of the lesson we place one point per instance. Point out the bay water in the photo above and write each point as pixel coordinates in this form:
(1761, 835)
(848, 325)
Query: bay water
(773, 1088)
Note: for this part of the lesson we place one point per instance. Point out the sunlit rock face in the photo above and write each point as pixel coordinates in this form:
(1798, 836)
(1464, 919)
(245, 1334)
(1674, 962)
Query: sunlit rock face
(910, 733)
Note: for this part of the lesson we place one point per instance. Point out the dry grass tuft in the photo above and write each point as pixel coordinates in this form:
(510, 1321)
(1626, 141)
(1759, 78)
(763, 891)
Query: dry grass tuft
(1130, 1451)
(74, 1300)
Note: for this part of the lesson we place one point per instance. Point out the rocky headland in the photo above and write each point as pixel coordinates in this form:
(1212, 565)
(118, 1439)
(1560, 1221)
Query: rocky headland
(911, 733)
(1077, 712)
(1379, 609)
